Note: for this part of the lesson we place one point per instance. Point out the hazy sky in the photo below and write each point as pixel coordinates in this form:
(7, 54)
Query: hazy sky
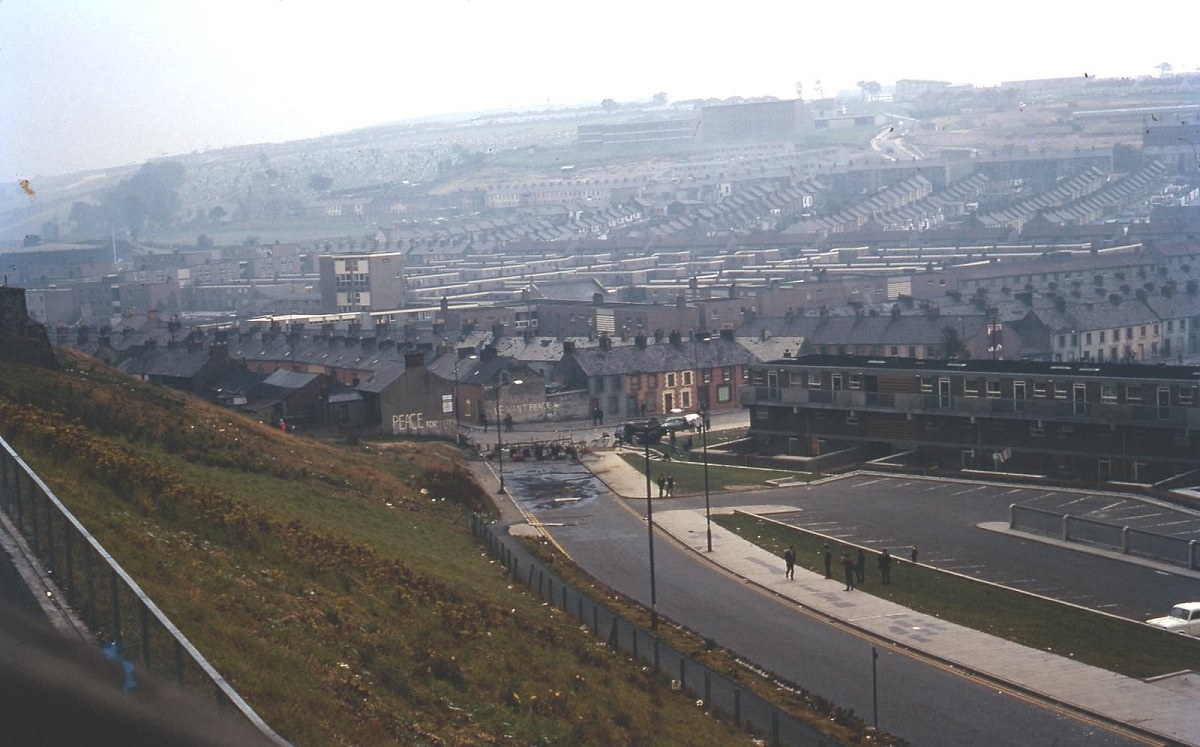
(95, 83)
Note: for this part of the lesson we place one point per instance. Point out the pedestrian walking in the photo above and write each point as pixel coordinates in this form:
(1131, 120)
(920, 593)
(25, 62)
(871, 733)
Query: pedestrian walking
(662, 486)
(789, 562)
(670, 485)
(885, 566)
(508, 422)
(860, 566)
(848, 565)
(914, 554)
(828, 562)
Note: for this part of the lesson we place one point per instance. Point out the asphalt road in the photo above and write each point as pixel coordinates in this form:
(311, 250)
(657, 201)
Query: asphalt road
(942, 519)
(917, 700)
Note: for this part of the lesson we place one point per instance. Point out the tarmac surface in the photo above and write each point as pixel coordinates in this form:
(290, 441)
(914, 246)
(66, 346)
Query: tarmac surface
(1166, 709)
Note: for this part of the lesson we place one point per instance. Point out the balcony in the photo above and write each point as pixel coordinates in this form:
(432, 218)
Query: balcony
(1059, 410)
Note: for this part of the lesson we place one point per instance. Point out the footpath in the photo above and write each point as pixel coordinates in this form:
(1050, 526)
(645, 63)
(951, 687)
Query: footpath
(1167, 710)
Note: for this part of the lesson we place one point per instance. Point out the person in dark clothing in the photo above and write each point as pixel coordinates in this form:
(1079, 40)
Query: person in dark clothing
(483, 420)
(828, 562)
(670, 485)
(508, 422)
(848, 565)
(860, 567)
(885, 566)
(914, 554)
(662, 486)
(789, 562)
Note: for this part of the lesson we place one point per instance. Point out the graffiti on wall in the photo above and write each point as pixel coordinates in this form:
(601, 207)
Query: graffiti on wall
(416, 422)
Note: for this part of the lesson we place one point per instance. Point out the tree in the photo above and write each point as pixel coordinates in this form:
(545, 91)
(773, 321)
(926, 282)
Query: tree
(204, 242)
(216, 214)
(660, 99)
(609, 105)
(320, 183)
(1164, 68)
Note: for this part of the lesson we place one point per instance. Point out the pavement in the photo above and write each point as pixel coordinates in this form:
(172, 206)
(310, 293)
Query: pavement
(1165, 709)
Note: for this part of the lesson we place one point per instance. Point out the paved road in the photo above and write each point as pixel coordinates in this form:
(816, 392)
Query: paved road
(943, 519)
(922, 702)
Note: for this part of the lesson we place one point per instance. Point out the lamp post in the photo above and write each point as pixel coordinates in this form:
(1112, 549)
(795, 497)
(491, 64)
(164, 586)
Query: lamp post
(702, 407)
(499, 432)
(650, 529)
(704, 450)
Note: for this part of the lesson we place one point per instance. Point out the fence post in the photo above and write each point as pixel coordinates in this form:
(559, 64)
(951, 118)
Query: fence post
(1066, 528)
(1192, 545)
(1012, 516)
(1125, 540)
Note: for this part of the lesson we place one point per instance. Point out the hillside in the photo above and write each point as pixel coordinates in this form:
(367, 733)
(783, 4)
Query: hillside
(335, 586)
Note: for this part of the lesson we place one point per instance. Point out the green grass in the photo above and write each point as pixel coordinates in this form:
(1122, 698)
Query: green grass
(1127, 647)
(689, 476)
(337, 587)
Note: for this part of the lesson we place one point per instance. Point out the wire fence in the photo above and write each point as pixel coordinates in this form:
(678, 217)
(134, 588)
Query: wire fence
(715, 692)
(122, 619)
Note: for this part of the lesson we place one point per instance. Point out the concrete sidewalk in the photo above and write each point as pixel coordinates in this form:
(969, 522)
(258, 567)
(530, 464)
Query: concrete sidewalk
(1165, 710)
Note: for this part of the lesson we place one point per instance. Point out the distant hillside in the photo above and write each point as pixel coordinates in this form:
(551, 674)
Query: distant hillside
(335, 586)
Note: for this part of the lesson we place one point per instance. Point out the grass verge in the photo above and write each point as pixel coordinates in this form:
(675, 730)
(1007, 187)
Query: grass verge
(1122, 646)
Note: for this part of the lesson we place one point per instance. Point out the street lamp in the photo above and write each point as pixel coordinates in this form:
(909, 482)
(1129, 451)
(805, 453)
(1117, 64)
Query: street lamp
(650, 529)
(702, 406)
(499, 431)
(707, 507)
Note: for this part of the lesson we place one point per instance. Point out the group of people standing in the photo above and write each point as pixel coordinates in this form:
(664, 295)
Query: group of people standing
(855, 568)
(666, 486)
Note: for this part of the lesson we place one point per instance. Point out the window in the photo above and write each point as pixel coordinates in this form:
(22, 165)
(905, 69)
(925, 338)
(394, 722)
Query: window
(1142, 331)
(725, 393)
(926, 385)
(993, 390)
(687, 378)
(1108, 392)
(1133, 393)
(727, 373)
(855, 381)
(894, 351)
(1087, 338)
(671, 381)
(971, 387)
(685, 400)
(814, 379)
(635, 382)
(1060, 391)
(1102, 336)
(1039, 389)
(651, 381)
(1186, 394)
(706, 376)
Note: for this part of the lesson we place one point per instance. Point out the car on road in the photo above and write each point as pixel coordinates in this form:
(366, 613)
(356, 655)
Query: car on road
(686, 422)
(1183, 618)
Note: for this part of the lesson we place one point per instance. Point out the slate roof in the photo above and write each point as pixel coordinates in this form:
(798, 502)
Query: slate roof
(663, 356)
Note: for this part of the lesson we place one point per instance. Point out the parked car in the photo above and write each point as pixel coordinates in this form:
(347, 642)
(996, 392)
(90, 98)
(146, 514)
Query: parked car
(1183, 618)
(687, 422)
(642, 431)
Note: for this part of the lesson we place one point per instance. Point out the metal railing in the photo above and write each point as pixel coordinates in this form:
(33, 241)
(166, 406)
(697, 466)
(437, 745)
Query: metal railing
(717, 692)
(111, 604)
(1127, 540)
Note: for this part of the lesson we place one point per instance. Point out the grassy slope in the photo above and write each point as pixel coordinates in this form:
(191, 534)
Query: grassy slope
(337, 588)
